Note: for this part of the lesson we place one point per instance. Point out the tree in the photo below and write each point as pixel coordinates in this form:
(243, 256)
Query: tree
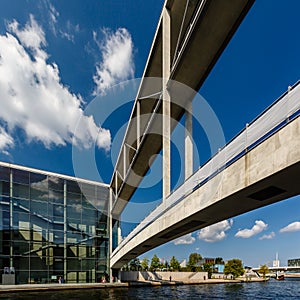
(208, 268)
(194, 258)
(134, 264)
(166, 265)
(155, 263)
(174, 264)
(263, 270)
(219, 261)
(234, 267)
(126, 267)
(145, 263)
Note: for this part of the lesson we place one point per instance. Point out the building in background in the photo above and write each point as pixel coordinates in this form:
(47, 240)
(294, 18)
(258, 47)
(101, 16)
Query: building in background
(295, 262)
(52, 226)
(276, 262)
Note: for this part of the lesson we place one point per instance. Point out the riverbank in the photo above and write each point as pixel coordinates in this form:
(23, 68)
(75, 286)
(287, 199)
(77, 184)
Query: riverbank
(273, 289)
(81, 286)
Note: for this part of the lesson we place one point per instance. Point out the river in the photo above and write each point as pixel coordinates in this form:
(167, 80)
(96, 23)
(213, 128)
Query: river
(287, 289)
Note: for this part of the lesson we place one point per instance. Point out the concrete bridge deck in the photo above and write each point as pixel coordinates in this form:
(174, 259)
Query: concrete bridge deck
(259, 167)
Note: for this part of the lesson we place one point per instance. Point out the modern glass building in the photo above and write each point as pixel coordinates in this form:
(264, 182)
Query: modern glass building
(52, 226)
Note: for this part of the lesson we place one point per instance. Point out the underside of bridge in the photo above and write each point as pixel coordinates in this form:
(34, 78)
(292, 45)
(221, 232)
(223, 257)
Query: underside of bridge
(190, 37)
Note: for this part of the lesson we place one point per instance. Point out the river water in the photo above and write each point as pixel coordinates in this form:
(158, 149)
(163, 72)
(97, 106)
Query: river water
(287, 289)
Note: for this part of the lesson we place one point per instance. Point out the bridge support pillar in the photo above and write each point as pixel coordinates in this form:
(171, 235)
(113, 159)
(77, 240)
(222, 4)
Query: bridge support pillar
(138, 124)
(110, 226)
(166, 106)
(188, 142)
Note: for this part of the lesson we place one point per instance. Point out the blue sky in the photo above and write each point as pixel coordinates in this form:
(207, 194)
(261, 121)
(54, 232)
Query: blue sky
(57, 55)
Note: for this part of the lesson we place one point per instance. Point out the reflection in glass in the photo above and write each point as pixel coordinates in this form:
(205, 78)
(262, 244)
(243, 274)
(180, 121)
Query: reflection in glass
(52, 227)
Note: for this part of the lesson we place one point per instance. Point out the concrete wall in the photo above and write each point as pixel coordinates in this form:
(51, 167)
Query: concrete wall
(175, 276)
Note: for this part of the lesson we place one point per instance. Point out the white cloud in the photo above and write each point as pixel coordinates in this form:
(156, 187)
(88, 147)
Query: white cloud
(215, 232)
(256, 229)
(33, 98)
(69, 31)
(269, 236)
(117, 59)
(6, 141)
(31, 36)
(187, 239)
(53, 15)
(295, 226)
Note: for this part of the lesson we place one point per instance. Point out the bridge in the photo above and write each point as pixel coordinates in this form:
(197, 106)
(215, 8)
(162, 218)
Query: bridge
(291, 269)
(258, 167)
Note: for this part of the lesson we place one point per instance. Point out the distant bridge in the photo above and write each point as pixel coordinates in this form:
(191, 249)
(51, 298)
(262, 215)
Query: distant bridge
(291, 269)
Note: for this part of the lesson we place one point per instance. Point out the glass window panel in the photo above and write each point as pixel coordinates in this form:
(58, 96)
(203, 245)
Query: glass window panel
(24, 276)
(73, 264)
(38, 194)
(73, 187)
(58, 252)
(58, 210)
(58, 237)
(88, 190)
(5, 220)
(21, 220)
(74, 212)
(4, 188)
(87, 264)
(73, 199)
(39, 180)
(25, 235)
(39, 222)
(86, 203)
(73, 237)
(39, 208)
(20, 191)
(56, 197)
(22, 205)
(36, 265)
(20, 176)
(4, 173)
(55, 183)
(38, 236)
(20, 248)
(4, 204)
(89, 216)
(37, 276)
(58, 226)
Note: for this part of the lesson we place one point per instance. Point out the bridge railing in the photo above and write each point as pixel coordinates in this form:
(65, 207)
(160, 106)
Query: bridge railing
(280, 113)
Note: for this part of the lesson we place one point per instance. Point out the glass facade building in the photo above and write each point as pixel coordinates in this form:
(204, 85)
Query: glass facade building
(52, 226)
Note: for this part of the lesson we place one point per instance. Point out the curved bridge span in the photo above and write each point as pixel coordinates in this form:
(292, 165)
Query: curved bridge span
(259, 167)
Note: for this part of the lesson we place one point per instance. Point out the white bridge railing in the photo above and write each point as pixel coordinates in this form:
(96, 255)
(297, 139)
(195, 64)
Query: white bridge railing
(285, 109)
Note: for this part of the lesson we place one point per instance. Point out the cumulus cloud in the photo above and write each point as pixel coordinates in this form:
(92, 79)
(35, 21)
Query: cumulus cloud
(31, 36)
(215, 232)
(187, 239)
(34, 99)
(256, 229)
(117, 59)
(295, 226)
(269, 236)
